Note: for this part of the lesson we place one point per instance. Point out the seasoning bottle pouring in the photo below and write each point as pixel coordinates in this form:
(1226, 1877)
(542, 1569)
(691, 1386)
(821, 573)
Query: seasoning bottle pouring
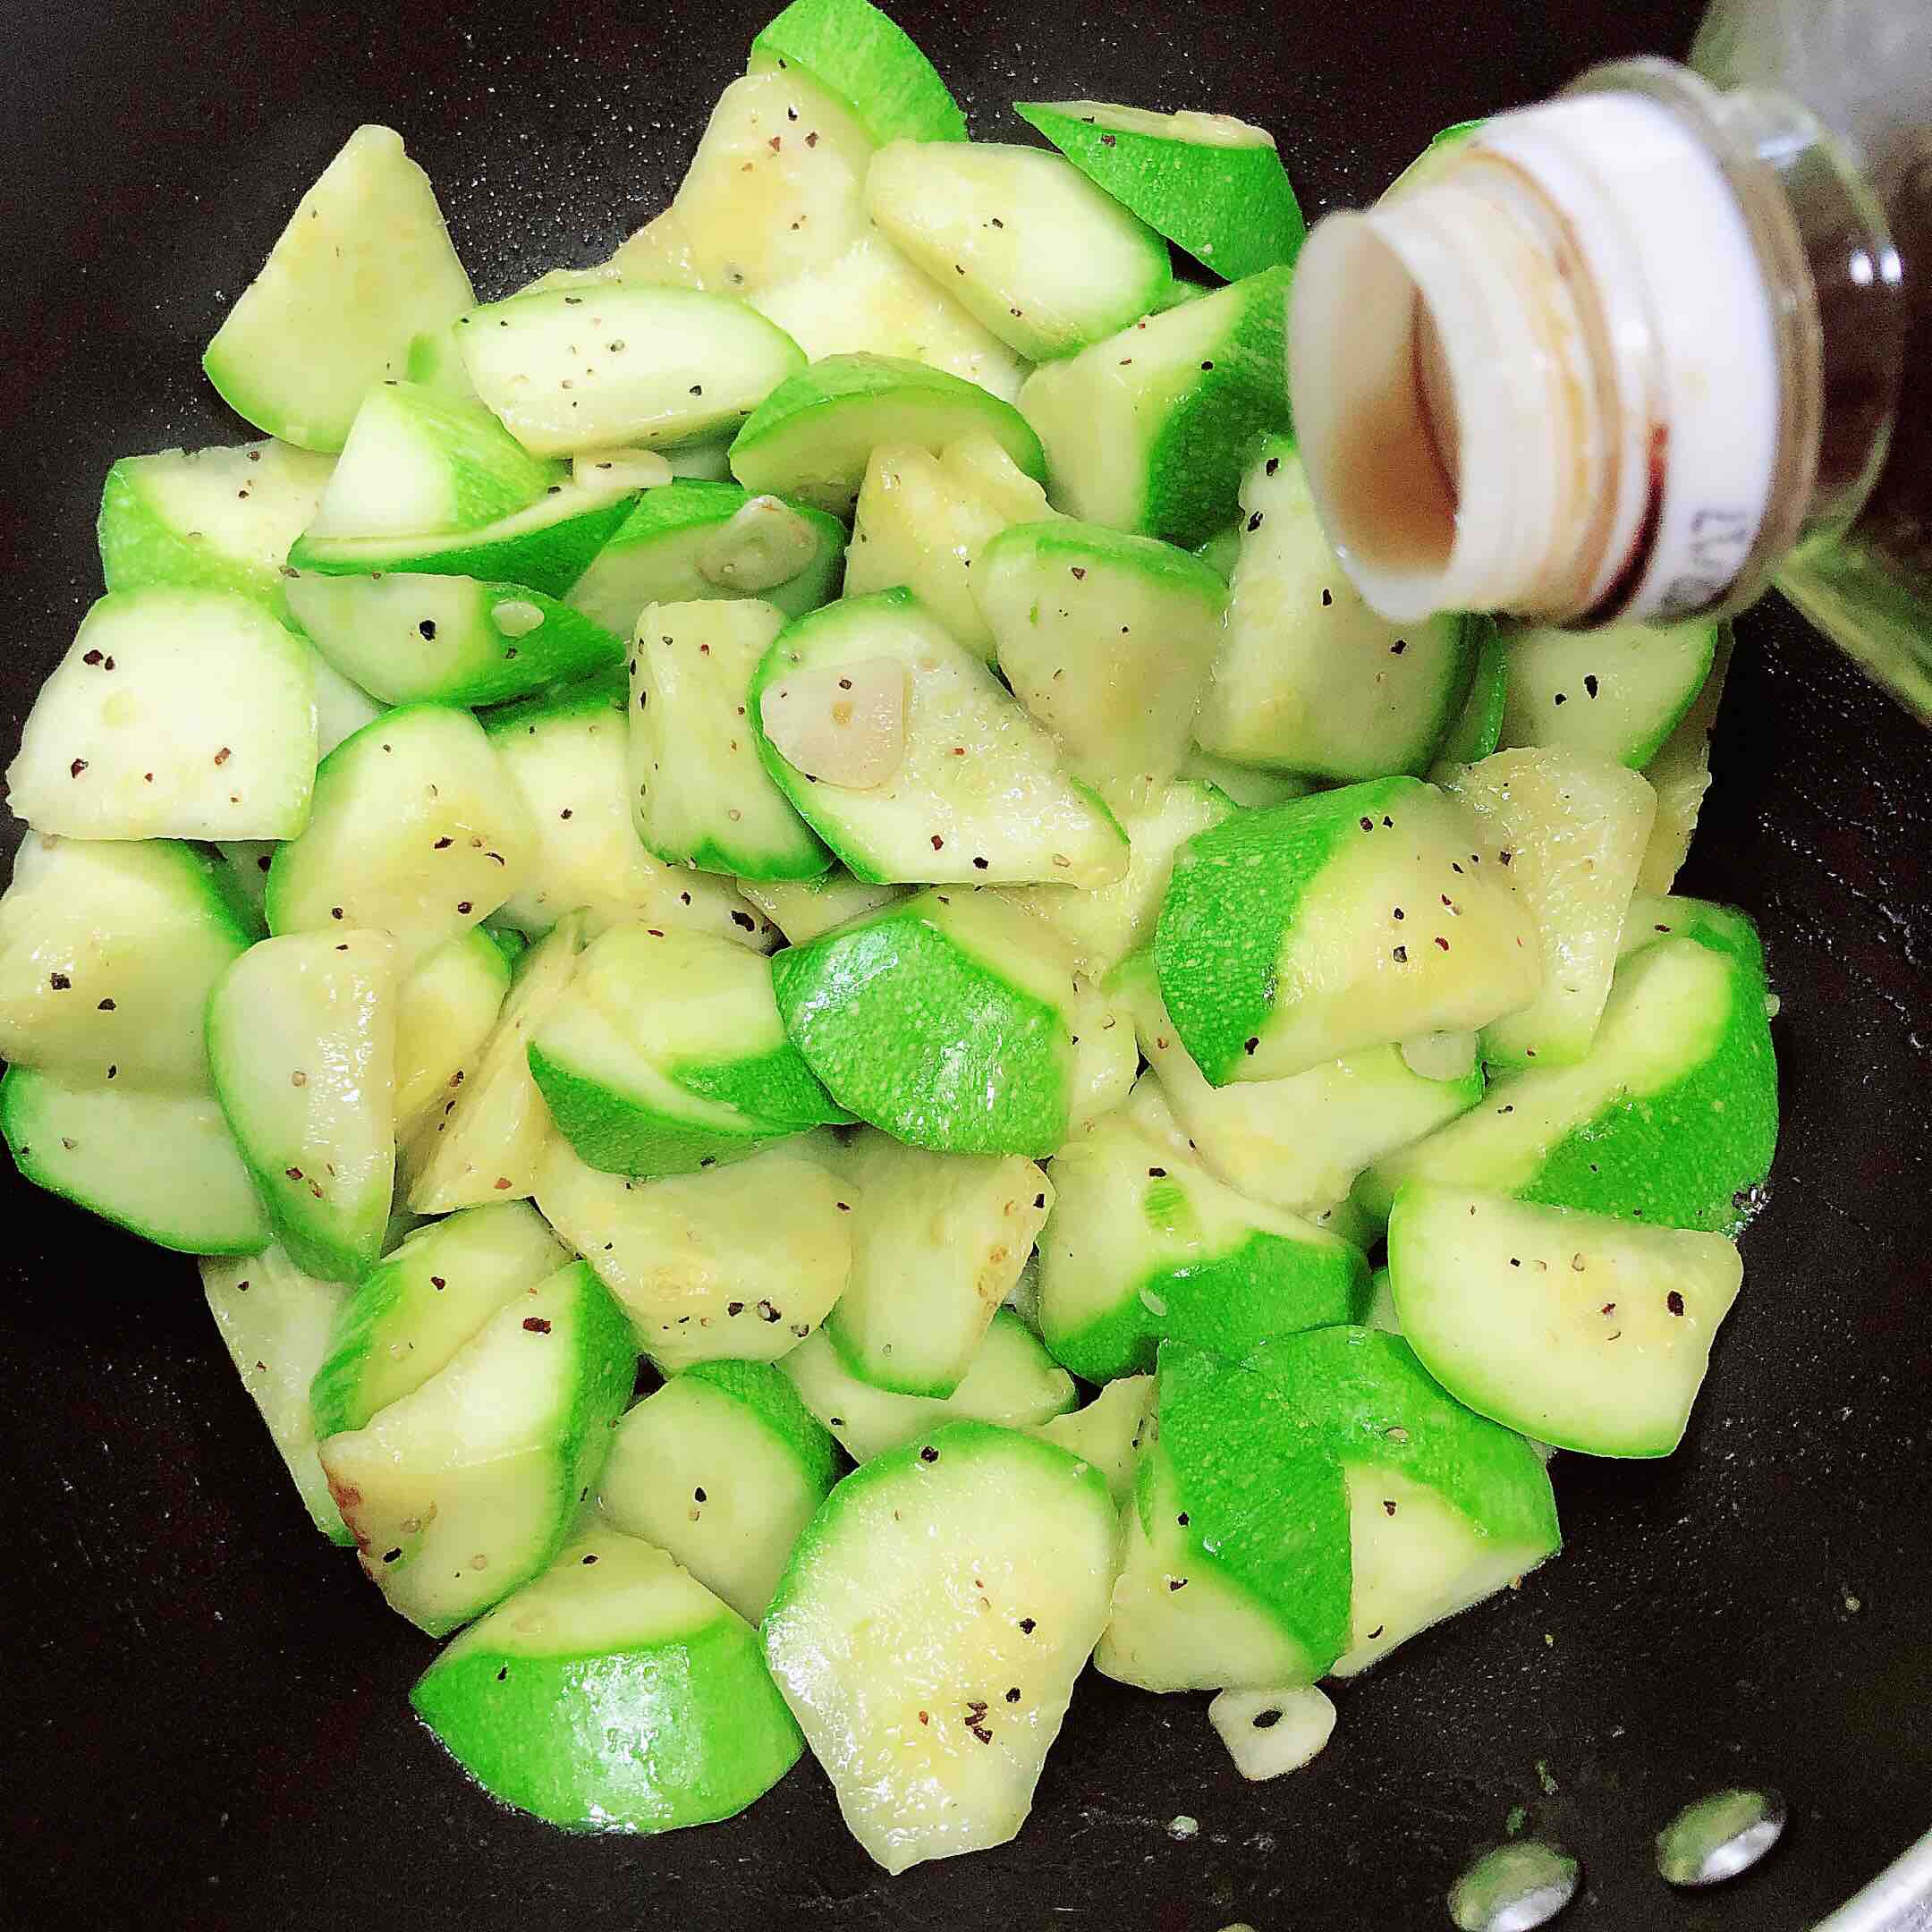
(1643, 349)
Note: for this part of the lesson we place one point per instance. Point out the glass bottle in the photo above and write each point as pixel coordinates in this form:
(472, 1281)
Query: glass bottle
(1643, 349)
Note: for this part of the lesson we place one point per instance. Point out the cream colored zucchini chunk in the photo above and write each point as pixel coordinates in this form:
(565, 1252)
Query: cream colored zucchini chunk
(939, 776)
(938, 1241)
(406, 1318)
(1012, 1381)
(1027, 244)
(1299, 1143)
(466, 1488)
(415, 832)
(108, 950)
(1144, 1244)
(1567, 831)
(928, 1631)
(1151, 430)
(812, 437)
(301, 1044)
(923, 519)
(564, 753)
(1339, 921)
(1108, 640)
(624, 365)
(1309, 679)
(741, 1262)
(695, 539)
(723, 1466)
(364, 264)
(274, 1321)
(1589, 1332)
(95, 1146)
(700, 798)
(213, 519)
(667, 1055)
(177, 712)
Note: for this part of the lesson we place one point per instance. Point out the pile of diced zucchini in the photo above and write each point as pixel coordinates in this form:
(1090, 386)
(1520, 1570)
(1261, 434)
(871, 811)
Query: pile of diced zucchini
(810, 806)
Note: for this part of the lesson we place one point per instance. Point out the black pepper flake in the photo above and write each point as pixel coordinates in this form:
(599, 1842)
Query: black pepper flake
(1398, 646)
(767, 1312)
(503, 1677)
(463, 905)
(1206, 365)
(1328, 597)
(1400, 914)
(1012, 1696)
(1266, 1720)
(335, 912)
(437, 1282)
(697, 389)
(928, 1453)
(1441, 942)
(1368, 825)
(938, 843)
(60, 982)
(1080, 573)
(1250, 1043)
(979, 865)
(734, 1308)
(536, 1323)
(1157, 1173)
(77, 767)
(1561, 699)
(1254, 522)
(444, 844)
(91, 657)
(1273, 463)
(1400, 955)
(982, 1734)
(1377, 1631)
(106, 1005)
(1027, 1626)
(391, 1556)
(1039, 1200)
(1176, 1584)
(1674, 1301)
(744, 920)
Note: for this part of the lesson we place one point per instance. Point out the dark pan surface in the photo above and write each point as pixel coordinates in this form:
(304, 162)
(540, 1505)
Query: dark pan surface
(206, 1724)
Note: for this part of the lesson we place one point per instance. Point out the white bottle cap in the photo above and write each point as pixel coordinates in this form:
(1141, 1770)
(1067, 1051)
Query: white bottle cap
(1545, 378)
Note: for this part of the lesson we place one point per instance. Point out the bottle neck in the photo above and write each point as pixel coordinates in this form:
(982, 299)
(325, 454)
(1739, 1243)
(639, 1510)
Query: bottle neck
(1609, 359)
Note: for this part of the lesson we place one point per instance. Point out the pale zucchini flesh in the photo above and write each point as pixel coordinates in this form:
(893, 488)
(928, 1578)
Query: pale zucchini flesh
(177, 712)
(1013, 1382)
(607, 367)
(95, 1146)
(363, 266)
(980, 796)
(566, 760)
(301, 1044)
(275, 1323)
(699, 795)
(929, 1630)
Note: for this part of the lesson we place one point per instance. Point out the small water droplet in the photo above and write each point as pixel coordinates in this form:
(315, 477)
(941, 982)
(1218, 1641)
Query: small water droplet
(1720, 1836)
(1515, 1889)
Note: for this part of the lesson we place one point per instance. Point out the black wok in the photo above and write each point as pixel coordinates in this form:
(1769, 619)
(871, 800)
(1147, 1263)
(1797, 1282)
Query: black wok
(206, 1724)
